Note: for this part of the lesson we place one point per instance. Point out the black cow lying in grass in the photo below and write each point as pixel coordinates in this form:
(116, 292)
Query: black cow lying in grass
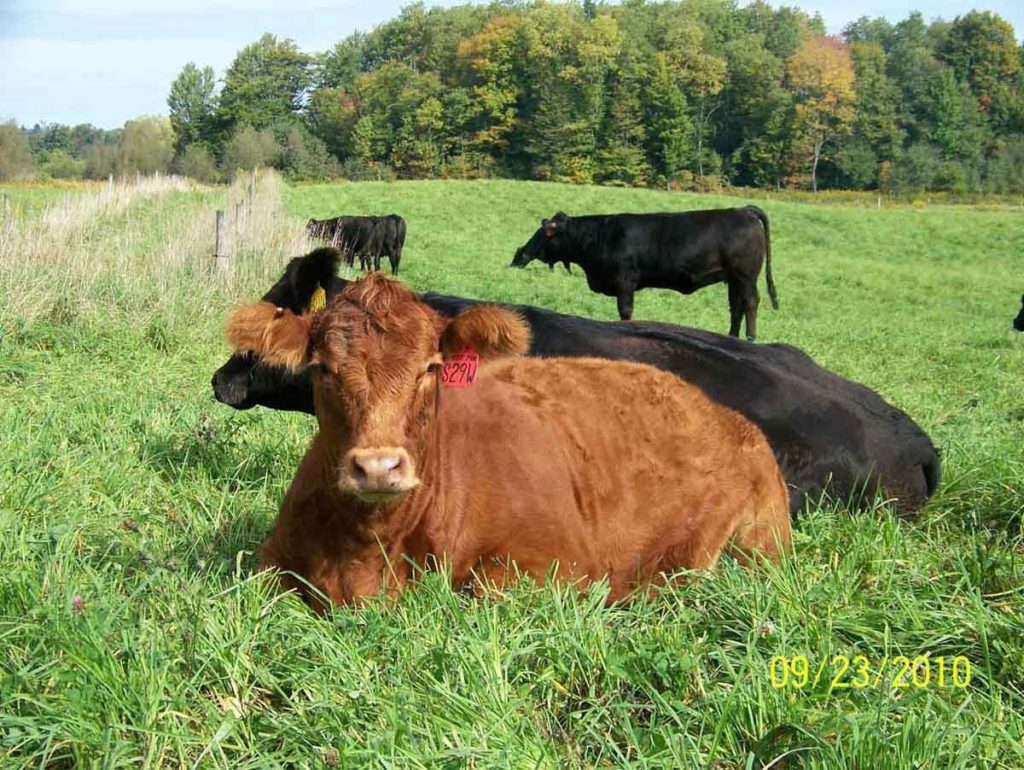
(621, 253)
(828, 434)
(1018, 322)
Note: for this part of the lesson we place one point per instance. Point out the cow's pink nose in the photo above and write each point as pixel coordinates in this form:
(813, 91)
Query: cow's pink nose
(380, 471)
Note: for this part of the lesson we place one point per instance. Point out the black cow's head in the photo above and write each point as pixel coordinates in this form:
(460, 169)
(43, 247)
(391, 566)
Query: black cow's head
(243, 381)
(548, 245)
(1018, 322)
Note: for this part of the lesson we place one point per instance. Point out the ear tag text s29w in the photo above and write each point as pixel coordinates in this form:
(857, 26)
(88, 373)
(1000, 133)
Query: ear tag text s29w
(459, 371)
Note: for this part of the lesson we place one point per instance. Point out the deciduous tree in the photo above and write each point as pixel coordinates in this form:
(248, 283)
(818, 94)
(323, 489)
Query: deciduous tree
(146, 145)
(15, 154)
(192, 105)
(821, 77)
(266, 83)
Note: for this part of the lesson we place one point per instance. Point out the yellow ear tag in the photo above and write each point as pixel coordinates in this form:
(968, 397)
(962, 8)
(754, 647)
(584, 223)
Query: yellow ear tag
(319, 299)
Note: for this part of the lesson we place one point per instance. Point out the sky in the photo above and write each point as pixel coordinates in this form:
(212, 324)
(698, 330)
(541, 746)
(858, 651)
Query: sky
(106, 61)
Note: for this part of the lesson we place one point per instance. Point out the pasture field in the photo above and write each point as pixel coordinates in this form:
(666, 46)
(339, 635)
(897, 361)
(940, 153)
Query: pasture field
(134, 634)
(28, 198)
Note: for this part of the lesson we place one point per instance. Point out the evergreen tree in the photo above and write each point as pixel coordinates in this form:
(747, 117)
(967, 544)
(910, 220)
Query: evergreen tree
(670, 132)
(621, 157)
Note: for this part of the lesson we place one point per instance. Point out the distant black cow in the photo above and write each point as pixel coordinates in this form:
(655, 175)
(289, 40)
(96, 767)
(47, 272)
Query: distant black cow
(621, 253)
(390, 235)
(828, 433)
(1018, 322)
(366, 237)
(354, 236)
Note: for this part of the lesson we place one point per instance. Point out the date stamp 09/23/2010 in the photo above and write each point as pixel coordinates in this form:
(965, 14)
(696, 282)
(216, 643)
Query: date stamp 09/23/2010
(840, 672)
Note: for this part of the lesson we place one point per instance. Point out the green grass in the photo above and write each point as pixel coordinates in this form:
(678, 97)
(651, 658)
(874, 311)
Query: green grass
(30, 198)
(134, 633)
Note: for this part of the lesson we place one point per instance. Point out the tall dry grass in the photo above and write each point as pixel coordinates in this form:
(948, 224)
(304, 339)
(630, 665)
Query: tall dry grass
(144, 249)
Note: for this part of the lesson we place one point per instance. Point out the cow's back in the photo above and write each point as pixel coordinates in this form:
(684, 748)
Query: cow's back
(681, 251)
(629, 468)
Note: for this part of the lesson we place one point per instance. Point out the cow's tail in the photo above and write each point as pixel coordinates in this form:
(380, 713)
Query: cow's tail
(767, 256)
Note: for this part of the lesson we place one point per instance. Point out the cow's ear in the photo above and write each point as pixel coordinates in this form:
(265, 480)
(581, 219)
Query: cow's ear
(492, 331)
(314, 271)
(276, 335)
(554, 224)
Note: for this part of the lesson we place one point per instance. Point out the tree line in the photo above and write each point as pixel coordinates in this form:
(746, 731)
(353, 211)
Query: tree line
(697, 94)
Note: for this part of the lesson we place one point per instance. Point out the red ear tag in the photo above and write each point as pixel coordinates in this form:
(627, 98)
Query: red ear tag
(459, 371)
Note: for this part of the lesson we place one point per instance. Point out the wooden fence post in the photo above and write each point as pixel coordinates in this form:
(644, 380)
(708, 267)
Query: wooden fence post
(252, 187)
(239, 207)
(220, 257)
(7, 206)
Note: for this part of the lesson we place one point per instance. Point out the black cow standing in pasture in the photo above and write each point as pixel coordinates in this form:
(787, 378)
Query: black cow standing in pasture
(829, 434)
(353, 236)
(1018, 322)
(390, 241)
(366, 237)
(621, 253)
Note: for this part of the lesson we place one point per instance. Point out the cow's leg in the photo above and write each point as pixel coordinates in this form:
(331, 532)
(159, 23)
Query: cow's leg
(750, 303)
(394, 264)
(735, 308)
(625, 300)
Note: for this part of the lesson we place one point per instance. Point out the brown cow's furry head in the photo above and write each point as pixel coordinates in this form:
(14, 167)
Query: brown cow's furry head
(279, 336)
(374, 354)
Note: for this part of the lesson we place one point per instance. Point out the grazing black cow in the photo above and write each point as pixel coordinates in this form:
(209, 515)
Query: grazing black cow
(390, 241)
(1018, 322)
(366, 237)
(621, 253)
(354, 236)
(829, 434)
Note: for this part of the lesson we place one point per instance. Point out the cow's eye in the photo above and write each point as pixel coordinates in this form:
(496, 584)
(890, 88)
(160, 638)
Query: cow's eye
(433, 365)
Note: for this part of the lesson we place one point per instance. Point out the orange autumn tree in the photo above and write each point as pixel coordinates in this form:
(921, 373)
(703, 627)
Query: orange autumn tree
(820, 74)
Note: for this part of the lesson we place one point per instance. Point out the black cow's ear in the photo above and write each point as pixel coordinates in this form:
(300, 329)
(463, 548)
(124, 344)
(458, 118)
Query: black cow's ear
(316, 269)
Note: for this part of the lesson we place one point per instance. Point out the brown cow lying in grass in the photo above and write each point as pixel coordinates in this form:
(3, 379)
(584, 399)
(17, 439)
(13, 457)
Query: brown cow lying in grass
(584, 467)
